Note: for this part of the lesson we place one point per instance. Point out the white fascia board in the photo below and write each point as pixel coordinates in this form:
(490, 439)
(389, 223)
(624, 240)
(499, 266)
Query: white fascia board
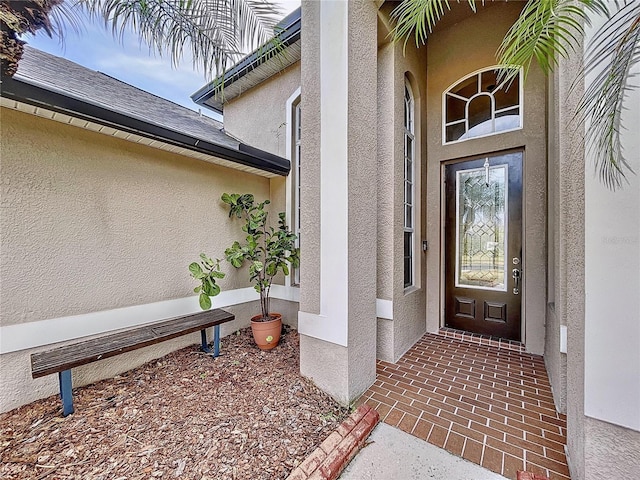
(332, 323)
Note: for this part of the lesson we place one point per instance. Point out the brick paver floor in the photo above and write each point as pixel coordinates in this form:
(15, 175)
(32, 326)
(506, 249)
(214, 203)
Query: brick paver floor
(492, 406)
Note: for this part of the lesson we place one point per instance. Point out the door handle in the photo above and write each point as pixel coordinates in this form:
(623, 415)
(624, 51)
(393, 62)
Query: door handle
(515, 273)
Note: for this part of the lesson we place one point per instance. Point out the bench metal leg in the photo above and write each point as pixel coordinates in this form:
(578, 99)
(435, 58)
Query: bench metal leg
(66, 394)
(216, 341)
(205, 345)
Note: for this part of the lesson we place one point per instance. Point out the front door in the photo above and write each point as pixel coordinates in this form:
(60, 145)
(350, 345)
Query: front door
(483, 245)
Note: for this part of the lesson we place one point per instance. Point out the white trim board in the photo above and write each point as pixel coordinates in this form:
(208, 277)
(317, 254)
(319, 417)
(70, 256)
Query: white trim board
(384, 309)
(22, 336)
(331, 323)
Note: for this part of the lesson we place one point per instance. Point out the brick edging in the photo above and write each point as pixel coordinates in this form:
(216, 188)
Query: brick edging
(328, 460)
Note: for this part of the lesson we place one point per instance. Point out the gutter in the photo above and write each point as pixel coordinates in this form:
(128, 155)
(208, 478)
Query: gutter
(43, 98)
(290, 34)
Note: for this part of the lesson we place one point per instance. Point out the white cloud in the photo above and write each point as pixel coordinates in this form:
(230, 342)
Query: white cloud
(131, 61)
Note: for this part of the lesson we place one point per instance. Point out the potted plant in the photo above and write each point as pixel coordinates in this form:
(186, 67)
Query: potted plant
(267, 250)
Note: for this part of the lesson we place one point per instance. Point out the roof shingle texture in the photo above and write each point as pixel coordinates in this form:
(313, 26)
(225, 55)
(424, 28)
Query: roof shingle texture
(68, 78)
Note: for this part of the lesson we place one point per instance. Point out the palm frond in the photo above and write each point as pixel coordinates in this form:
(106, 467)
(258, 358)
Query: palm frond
(545, 31)
(65, 16)
(611, 53)
(418, 17)
(274, 49)
(216, 32)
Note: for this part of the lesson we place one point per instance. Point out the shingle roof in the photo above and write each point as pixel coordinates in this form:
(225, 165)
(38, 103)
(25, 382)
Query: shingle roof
(49, 81)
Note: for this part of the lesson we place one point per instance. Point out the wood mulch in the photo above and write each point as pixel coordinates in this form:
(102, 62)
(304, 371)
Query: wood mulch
(248, 414)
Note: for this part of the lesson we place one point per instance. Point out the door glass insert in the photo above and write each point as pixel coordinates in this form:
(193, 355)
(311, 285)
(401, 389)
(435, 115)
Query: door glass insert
(481, 237)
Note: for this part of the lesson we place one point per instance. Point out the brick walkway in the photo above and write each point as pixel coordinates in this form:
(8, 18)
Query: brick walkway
(492, 406)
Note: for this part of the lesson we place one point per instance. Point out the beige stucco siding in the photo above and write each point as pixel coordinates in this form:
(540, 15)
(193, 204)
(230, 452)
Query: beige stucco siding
(91, 223)
(610, 451)
(452, 56)
(258, 117)
(338, 347)
(396, 66)
(409, 303)
(310, 200)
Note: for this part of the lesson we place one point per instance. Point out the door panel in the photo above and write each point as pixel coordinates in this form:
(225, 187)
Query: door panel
(483, 245)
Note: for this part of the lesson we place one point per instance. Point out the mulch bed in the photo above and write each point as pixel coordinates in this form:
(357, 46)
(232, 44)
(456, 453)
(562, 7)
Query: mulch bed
(248, 414)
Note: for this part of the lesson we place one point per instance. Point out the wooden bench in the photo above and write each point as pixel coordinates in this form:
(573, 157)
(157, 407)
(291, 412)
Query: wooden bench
(62, 359)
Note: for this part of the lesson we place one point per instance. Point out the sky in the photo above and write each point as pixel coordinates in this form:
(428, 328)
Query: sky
(130, 61)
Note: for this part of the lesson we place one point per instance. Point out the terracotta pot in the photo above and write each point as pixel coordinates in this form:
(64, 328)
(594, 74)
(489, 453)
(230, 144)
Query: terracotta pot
(267, 334)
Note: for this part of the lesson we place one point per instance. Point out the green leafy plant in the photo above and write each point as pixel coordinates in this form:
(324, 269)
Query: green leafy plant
(207, 272)
(267, 250)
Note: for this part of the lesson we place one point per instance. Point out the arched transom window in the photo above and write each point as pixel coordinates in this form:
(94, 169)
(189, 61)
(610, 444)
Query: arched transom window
(478, 106)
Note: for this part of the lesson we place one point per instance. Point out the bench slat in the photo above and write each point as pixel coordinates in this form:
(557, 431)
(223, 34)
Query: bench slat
(87, 351)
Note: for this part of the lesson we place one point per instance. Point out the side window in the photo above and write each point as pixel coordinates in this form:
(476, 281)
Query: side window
(295, 168)
(478, 106)
(409, 187)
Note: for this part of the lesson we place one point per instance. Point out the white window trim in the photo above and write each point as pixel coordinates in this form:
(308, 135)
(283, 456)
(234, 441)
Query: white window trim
(409, 132)
(494, 112)
(290, 145)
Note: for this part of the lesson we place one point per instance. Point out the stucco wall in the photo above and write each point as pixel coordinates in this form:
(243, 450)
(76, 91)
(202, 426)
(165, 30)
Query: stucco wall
(559, 114)
(387, 80)
(612, 310)
(362, 157)
(397, 65)
(569, 248)
(339, 96)
(386, 181)
(451, 57)
(409, 304)
(611, 451)
(258, 116)
(91, 223)
(310, 147)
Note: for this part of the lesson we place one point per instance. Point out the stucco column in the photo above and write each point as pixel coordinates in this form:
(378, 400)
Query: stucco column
(337, 319)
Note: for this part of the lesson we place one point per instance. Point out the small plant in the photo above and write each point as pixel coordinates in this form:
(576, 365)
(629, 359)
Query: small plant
(268, 250)
(206, 272)
(328, 417)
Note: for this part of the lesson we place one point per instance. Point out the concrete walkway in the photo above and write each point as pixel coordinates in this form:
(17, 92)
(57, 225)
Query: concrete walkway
(391, 454)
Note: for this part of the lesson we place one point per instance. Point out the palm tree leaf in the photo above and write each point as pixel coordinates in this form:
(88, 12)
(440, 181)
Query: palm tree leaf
(609, 58)
(216, 32)
(545, 30)
(418, 17)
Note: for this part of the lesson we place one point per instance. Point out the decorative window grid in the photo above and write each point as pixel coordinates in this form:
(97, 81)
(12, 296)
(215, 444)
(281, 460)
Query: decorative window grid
(481, 104)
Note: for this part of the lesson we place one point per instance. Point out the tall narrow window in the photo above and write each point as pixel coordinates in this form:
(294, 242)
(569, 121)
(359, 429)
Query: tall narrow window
(297, 130)
(409, 187)
(481, 104)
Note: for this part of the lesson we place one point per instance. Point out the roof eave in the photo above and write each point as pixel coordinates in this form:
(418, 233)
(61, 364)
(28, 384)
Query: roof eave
(288, 37)
(23, 91)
